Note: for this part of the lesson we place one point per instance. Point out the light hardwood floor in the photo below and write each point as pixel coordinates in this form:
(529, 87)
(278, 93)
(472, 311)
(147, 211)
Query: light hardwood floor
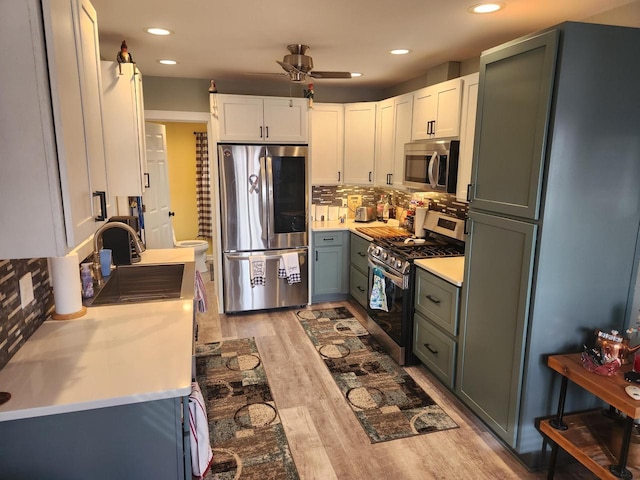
(327, 441)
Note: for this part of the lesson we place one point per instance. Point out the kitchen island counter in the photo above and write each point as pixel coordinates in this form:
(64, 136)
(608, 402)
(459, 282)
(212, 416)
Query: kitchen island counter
(114, 355)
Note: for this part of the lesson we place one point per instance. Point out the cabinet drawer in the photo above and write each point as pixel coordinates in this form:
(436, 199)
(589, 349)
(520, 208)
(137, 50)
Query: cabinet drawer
(438, 300)
(436, 350)
(359, 248)
(358, 283)
(326, 239)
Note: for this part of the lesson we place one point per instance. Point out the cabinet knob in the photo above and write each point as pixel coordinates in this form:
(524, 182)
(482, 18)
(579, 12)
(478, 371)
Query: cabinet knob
(172, 214)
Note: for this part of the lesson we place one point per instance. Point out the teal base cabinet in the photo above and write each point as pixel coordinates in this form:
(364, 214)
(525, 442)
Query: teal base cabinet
(330, 267)
(359, 270)
(140, 440)
(435, 325)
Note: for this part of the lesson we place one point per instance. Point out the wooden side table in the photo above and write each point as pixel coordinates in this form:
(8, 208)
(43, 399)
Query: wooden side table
(574, 433)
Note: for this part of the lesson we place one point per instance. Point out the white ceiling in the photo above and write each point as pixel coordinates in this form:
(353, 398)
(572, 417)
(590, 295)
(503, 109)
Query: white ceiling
(226, 39)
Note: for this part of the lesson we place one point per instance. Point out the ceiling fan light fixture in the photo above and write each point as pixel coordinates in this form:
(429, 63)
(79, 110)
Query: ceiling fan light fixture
(166, 61)
(486, 7)
(399, 51)
(355, 74)
(158, 31)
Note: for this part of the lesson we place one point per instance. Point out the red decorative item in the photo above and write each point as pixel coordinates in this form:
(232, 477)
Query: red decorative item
(606, 370)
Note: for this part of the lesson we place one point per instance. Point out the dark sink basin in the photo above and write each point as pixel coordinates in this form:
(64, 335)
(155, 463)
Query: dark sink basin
(141, 283)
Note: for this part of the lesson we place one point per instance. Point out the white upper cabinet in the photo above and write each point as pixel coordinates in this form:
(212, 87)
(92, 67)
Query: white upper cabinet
(246, 118)
(359, 142)
(385, 130)
(326, 143)
(123, 114)
(436, 111)
(393, 130)
(467, 132)
(53, 169)
(403, 117)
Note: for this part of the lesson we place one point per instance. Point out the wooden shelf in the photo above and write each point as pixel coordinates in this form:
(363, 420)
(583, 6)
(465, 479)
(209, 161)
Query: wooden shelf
(586, 441)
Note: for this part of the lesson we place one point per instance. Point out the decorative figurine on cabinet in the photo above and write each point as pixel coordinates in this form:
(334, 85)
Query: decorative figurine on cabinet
(124, 56)
(309, 94)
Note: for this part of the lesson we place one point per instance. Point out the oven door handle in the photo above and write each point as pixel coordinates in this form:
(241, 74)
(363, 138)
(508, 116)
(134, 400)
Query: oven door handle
(394, 278)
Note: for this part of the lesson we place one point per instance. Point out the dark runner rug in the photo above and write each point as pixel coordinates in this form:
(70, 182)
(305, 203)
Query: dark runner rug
(246, 435)
(388, 403)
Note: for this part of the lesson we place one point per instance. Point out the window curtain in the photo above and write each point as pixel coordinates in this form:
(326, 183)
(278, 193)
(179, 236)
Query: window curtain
(203, 186)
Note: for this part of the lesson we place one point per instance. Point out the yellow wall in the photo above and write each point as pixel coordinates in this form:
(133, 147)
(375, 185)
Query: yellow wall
(181, 154)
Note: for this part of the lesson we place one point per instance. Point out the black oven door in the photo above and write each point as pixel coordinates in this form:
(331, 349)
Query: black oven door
(395, 322)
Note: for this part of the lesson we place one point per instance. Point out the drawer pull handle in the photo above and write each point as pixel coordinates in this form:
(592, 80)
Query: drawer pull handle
(431, 349)
(362, 254)
(329, 239)
(361, 289)
(433, 299)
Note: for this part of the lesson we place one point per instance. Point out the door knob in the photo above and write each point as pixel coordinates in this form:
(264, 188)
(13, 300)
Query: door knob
(172, 214)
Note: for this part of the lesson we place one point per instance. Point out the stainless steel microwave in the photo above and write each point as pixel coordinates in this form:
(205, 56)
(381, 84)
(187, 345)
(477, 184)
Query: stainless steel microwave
(432, 165)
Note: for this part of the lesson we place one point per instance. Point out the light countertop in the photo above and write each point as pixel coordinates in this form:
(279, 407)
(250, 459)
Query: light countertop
(113, 355)
(450, 269)
(350, 225)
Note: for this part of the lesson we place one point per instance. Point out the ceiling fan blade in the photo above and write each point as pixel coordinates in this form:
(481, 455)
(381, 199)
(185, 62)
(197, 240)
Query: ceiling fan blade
(288, 67)
(318, 74)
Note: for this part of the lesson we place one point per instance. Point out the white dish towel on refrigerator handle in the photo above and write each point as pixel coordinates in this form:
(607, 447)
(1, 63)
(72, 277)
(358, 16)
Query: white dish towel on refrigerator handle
(257, 270)
(289, 268)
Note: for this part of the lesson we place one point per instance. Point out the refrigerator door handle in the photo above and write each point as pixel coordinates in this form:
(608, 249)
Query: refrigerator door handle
(271, 207)
(263, 200)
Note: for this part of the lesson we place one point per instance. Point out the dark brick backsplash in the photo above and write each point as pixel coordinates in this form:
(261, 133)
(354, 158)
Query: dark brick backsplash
(17, 324)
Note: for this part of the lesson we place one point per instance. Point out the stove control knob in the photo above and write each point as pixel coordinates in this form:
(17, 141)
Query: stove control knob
(376, 252)
(392, 261)
(385, 255)
(399, 264)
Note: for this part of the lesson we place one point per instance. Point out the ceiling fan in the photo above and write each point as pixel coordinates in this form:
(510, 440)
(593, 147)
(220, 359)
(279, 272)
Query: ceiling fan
(299, 66)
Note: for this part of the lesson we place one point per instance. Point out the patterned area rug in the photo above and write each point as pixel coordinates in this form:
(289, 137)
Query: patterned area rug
(247, 438)
(385, 399)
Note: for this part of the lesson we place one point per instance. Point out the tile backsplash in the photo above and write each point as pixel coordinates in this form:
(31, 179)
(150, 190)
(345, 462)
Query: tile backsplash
(335, 194)
(18, 324)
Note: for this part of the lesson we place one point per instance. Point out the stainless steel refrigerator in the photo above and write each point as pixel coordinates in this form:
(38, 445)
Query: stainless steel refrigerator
(263, 212)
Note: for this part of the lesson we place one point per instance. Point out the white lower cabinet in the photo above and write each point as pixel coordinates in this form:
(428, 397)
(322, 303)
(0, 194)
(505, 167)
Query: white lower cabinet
(435, 325)
(54, 181)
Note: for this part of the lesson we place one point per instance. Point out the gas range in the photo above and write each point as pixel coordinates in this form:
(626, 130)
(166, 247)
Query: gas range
(399, 254)
(445, 239)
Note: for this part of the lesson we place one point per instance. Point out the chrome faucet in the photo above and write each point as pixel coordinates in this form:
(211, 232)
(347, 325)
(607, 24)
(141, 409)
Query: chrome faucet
(97, 243)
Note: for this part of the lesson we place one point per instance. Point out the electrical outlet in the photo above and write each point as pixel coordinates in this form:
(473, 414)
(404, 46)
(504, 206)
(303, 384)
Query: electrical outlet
(26, 290)
(344, 202)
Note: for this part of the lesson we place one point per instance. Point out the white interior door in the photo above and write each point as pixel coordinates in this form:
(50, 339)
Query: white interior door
(157, 222)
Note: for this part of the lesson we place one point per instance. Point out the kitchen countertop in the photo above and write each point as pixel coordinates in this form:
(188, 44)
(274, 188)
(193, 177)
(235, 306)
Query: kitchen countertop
(450, 269)
(350, 225)
(113, 355)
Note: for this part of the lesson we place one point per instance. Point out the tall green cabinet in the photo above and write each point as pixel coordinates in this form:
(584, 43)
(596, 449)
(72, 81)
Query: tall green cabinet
(553, 218)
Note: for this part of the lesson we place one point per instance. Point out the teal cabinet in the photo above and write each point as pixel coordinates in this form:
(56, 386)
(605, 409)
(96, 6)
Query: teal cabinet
(330, 266)
(435, 325)
(359, 271)
(499, 269)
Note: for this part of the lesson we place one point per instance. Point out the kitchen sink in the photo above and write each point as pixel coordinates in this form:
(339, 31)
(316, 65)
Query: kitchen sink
(141, 283)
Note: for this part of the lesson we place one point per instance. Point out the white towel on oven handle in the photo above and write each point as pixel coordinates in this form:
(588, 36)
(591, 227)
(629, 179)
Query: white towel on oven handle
(378, 300)
(201, 453)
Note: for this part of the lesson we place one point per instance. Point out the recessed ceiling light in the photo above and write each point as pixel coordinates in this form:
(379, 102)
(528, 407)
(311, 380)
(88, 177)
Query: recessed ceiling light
(399, 51)
(158, 31)
(486, 7)
(167, 62)
(355, 74)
